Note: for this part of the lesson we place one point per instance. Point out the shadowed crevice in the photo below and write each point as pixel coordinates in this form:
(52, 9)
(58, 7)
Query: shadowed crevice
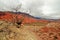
(2, 13)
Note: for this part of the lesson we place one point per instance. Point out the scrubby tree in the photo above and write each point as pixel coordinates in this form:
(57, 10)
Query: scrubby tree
(17, 20)
(16, 8)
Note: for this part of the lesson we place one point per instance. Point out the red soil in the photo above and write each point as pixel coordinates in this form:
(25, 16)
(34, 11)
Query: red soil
(9, 16)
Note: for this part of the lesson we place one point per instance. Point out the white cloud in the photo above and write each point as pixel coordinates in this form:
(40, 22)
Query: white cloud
(39, 8)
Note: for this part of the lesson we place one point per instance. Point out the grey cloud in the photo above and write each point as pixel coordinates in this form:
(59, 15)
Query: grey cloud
(49, 9)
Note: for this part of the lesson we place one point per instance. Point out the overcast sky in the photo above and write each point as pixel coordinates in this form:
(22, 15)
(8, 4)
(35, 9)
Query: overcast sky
(39, 8)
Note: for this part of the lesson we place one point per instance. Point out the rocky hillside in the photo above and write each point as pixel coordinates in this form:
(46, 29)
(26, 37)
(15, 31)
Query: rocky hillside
(13, 17)
(13, 31)
(11, 27)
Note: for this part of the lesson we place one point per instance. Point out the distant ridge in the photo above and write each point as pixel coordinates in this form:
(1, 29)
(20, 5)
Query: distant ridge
(9, 16)
(26, 14)
(27, 18)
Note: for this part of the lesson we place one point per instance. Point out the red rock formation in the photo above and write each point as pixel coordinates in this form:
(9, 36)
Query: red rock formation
(11, 16)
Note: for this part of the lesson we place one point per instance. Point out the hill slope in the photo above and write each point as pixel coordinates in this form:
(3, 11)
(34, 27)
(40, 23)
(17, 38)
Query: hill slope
(15, 16)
